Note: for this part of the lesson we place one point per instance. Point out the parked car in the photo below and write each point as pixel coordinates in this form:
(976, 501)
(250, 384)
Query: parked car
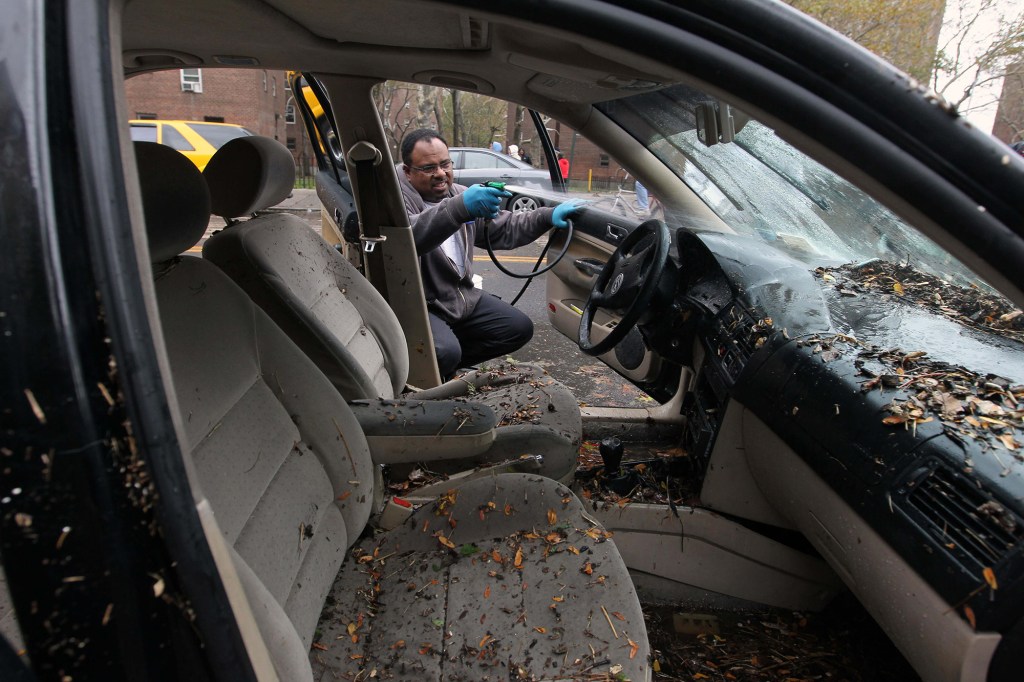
(474, 165)
(829, 319)
(197, 140)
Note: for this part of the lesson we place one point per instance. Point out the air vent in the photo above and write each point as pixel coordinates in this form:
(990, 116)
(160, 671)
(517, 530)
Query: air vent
(737, 336)
(965, 518)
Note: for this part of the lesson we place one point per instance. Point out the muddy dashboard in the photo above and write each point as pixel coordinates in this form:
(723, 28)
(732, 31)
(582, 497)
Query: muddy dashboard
(908, 415)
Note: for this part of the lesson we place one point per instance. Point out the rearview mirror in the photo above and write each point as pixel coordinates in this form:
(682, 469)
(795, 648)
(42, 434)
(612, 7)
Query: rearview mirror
(718, 122)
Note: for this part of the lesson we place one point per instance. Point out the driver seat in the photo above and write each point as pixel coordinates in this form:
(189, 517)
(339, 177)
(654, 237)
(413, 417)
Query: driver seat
(346, 327)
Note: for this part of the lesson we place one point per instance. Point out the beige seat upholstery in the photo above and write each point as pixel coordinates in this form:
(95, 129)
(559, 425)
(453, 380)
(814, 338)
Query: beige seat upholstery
(333, 313)
(503, 576)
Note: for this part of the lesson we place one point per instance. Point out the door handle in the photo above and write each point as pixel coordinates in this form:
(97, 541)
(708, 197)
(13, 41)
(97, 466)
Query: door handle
(589, 266)
(616, 233)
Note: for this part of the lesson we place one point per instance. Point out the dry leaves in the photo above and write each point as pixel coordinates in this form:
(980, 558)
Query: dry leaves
(970, 307)
(987, 409)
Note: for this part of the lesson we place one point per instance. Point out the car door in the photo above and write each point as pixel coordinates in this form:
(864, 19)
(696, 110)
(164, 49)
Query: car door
(340, 222)
(368, 228)
(598, 232)
(596, 179)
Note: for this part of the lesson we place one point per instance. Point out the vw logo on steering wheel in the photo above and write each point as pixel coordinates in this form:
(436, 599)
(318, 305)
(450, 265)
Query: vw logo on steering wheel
(617, 282)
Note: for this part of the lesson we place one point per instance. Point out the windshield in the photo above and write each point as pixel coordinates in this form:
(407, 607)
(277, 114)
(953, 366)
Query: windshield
(759, 185)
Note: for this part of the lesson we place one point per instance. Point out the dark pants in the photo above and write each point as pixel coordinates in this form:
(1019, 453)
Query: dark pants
(492, 330)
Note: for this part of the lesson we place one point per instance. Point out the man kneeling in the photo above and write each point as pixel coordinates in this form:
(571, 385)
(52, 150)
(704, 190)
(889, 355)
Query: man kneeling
(469, 326)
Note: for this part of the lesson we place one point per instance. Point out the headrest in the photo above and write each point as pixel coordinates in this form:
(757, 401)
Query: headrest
(175, 200)
(249, 174)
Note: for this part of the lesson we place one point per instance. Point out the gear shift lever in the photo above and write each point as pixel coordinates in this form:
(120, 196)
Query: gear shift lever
(611, 454)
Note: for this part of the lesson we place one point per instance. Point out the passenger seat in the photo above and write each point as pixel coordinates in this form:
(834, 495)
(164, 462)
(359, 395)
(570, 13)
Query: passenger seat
(503, 577)
(340, 320)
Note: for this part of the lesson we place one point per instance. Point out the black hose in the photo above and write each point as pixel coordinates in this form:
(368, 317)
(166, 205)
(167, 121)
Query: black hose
(535, 271)
(529, 280)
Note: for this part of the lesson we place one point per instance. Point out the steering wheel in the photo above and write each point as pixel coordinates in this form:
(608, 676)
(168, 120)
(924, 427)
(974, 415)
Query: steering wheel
(627, 284)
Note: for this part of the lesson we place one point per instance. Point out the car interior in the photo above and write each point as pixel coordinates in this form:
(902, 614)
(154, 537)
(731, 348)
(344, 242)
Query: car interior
(330, 310)
(298, 369)
(293, 523)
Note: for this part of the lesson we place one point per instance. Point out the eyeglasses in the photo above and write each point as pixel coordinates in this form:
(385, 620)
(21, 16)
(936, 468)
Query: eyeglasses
(432, 168)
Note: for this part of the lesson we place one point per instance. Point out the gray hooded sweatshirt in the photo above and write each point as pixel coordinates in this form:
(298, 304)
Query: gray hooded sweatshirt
(452, 296)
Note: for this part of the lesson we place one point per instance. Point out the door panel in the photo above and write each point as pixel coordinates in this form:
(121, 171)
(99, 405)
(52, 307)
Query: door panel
(568, 288)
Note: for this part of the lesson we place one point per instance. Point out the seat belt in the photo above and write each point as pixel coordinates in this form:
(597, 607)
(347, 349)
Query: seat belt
(366, 157)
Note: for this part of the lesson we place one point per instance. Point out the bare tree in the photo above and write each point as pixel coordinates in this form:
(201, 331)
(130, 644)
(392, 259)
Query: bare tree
(456, 98)
(482, 118)
(517, 125)
(980, 42)
(903, 32)
(398, 106)
(961, 48)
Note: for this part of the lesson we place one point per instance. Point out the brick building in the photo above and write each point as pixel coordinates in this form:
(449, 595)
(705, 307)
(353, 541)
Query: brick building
(589, 165)
(257, 99)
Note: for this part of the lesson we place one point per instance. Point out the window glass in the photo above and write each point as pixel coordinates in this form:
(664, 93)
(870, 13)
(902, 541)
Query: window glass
(218, 135)
(143, 133)
(191, 80)
(479, 160)
(175, 140)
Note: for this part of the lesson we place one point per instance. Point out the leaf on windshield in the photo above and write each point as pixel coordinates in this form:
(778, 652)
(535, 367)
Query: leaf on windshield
(948, 404)
(1008, 442)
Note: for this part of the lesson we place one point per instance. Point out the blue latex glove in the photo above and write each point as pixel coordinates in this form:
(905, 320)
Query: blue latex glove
(483, 202)
(567, 209)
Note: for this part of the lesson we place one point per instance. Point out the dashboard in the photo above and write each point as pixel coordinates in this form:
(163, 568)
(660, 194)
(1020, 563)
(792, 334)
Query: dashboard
(849, 383)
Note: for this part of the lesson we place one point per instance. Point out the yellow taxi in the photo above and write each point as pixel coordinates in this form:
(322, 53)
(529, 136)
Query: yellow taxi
(197, 140)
